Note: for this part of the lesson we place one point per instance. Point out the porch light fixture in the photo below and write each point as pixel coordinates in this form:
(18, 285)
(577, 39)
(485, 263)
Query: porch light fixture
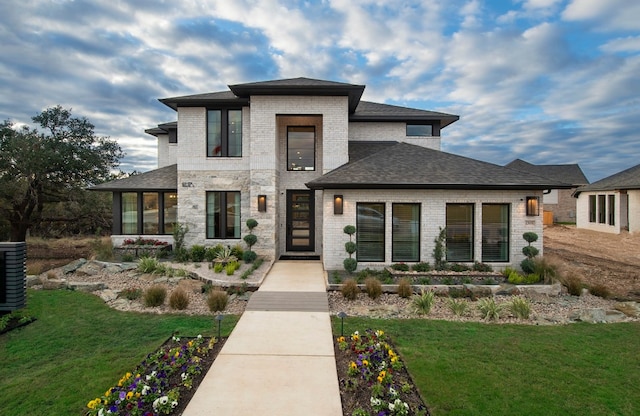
(337, 204)
(533, 206)
(262, 203)
(219, 319)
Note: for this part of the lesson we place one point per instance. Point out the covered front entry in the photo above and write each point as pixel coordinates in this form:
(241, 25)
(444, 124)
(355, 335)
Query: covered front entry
(300, 221)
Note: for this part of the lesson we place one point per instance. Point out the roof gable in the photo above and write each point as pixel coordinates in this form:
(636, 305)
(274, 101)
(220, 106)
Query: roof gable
(407, 166)
(162, 179)
(625, 180)
(570, 173)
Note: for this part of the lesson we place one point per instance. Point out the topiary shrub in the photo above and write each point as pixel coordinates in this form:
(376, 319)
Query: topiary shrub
(155, 296)
(405, 290)
(179, 299)
(250, 239)
(350, 265)
(249, 256)
(528, 265)
(217, 300)
(197, 252)
(373, 287)
(350, 289)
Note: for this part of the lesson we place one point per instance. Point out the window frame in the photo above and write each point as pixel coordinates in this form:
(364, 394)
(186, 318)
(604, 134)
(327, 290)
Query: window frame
(225, 134)
(471, 229)
(611, 209)
(602, 209)
(394, 256)
(359, 227)
(410, 126)
(505, 238)
(223, 198)
(139, 225)
(315, 139)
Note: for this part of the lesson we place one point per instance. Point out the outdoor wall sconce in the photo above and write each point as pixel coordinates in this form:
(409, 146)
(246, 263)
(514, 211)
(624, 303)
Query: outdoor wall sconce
(262, 203)
(533, 206)
(337, 204)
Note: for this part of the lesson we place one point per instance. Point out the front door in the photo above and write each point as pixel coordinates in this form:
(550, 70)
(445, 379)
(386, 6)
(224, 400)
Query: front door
(300, 221)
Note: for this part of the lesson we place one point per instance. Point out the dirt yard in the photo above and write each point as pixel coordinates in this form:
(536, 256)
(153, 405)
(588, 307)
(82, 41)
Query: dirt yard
(609, 259)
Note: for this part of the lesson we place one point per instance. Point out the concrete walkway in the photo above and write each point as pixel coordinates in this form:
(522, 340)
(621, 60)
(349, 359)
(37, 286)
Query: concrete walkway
(279, 359)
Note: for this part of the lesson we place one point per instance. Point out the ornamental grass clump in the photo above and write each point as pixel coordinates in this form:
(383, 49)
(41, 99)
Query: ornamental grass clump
(600, 290)
(179, 299)
(405, 290)
(489, 309)
(520, 307)
(217, 300)
(573, 284)
(147, 264)
(458, 306)
(155, 296)
(350, 289)
(373, 287)
(423, 302)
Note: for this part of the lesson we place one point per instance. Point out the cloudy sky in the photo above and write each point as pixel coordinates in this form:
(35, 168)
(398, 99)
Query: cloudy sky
(547, 81)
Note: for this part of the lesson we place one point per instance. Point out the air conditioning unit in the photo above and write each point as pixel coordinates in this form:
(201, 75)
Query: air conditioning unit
(13, 280)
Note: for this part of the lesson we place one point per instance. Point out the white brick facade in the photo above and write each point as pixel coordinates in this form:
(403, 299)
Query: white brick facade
(167, 152)
(626, 215)
(379, 131)
(433, 215)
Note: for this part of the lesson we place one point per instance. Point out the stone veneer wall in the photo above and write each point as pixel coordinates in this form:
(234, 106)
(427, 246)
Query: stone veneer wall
(433, 216)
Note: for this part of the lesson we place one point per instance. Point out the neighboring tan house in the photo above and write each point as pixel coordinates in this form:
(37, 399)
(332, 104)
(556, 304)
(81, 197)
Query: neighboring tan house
(559, 202)
(305, 158)
(611, 204)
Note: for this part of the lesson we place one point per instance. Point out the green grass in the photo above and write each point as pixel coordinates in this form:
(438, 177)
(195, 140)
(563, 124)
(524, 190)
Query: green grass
(79, 347)
(481, 369)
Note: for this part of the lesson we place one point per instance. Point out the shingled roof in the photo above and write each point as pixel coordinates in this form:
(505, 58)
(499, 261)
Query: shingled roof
(162, 179)
(368, 111)
(570, 173)
(625, 180)
(407, 166)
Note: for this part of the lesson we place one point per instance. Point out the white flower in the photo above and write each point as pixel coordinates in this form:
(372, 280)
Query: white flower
(155, 404)
(145, 390)
(174, 404)
(392, 406)
(393, 392)
(199, 336)
(183, 376)
(176, 339)
(164, 400)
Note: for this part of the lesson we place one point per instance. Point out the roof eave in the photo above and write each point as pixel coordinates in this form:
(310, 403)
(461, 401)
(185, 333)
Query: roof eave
(444, 120)
(509, 187)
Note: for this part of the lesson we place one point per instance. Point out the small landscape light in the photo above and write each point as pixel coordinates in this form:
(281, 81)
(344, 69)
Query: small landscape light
(342, 315)
(219, 318)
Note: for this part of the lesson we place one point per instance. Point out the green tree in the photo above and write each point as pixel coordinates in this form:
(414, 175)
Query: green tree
(37, 168)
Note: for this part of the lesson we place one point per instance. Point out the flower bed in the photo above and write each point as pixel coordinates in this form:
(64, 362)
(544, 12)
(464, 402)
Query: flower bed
(163, 383)
(373, 379)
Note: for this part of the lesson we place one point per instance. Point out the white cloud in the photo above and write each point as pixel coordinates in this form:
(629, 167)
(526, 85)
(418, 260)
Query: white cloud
(628, 44)
(610, 15)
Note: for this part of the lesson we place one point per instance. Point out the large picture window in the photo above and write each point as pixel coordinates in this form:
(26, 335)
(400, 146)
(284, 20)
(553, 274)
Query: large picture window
(602, 209)
(301, 148)
(223, 214)
(150, 213)
(406, 232)
(419, 130)
(129, 213)
(370, 232)
(170, 211)
(459, 232)
(495, 232)
(224, 133)
(592, 208)
(611, 209)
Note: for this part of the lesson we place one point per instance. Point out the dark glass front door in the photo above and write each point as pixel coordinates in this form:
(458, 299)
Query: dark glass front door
(300, 221)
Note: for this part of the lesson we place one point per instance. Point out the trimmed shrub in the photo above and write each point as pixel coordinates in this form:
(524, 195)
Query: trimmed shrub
(401, 267)
(482, 267)
(250, 239)
(210, 253)
(423, 302)
(155, 296)
(349, 229)
(350, 247)
(457, 267)
(197, 253)
(251, 223)
(350, 289)
(179, 299)
(530, 237)
(217, 300)
(404, 288)
(249, 256)
(373, 287)
(421, 267)
(528, 265)
(600, 290)
(530, 251)
(350, 265)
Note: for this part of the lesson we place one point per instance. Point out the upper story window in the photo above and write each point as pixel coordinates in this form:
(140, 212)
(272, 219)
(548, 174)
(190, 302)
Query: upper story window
(301, 148)
(419, 130)
(173, 136)
(224, 133)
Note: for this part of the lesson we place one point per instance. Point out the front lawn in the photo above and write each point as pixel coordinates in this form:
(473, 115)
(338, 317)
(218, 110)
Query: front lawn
(78, 347)
(475, 368)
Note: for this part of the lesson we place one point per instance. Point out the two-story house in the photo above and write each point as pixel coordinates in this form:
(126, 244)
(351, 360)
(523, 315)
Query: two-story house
(305, 158)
